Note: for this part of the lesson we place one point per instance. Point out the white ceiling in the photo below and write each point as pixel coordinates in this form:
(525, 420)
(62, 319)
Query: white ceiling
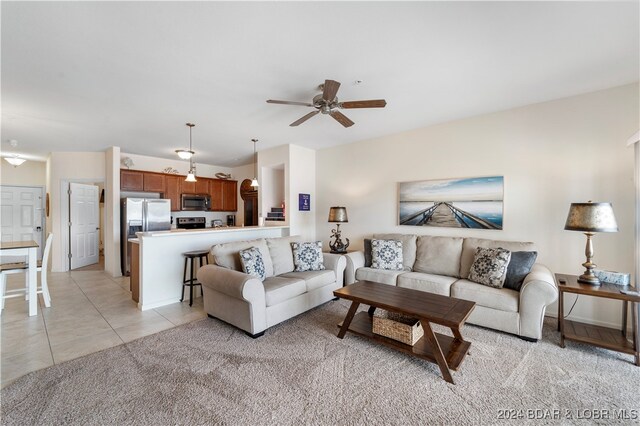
(83, 76)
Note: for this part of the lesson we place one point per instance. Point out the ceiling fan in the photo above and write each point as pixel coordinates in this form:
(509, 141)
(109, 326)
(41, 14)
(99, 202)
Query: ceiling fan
(327, 103)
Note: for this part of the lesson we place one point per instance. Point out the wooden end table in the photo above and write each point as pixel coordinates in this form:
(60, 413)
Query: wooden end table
(448, 352)
(604, 337)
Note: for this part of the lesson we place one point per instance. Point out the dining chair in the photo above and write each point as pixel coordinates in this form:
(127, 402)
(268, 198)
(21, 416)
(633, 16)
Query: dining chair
(22, 267)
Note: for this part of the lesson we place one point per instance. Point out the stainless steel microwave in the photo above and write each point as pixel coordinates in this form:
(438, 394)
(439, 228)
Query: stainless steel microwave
(195, 202)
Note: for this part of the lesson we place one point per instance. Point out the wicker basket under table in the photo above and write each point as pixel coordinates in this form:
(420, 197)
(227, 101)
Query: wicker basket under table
(396, 326)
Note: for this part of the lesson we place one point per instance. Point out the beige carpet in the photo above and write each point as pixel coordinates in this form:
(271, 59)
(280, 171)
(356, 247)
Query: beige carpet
(207, 372)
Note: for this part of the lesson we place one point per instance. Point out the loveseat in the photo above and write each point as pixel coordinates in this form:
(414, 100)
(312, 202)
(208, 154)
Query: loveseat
(253, 305)
(441, 265)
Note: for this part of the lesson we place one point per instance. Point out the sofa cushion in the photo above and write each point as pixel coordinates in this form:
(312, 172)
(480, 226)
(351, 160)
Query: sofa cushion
(308, 256)
(313, 279)
(408, 247)
(519, 267)
(227, 255)
(438, 255)
(281, 254)
(470, 245)
(252, 262)
(377, 275)
(386, 254)
(367, 252)
(501, 299)
(278, 289)
(490, 266)
(437, 284)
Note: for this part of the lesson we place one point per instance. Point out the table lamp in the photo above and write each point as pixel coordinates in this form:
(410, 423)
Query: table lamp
(590, 218)
(338, 215)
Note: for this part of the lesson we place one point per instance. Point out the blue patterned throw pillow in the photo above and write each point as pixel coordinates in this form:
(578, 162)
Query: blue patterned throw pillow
(308, 256)
(252, 262)
(386, 254)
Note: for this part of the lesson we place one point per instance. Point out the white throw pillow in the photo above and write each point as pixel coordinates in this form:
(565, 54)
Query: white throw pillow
(308, 256)
(490, 266)
(386, 254)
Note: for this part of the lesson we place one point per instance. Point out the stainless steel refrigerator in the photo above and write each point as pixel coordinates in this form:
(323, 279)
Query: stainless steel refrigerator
(141, 215)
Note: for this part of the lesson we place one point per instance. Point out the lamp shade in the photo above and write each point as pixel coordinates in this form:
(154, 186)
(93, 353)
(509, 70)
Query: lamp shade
(338, 214)
(591, 217)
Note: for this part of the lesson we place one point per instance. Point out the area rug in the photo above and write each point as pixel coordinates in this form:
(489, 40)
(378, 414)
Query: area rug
(299, 372)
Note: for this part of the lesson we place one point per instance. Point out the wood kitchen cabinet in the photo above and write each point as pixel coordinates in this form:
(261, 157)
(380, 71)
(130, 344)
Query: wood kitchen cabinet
(187, 187)
(172, 191)
(202, 186)
(229, 195)
(153, 182)
(131, 180)
(215, 192)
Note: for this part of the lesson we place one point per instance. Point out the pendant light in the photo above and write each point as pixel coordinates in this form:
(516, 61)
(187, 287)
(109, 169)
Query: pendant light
(15, 160)
(254, 181)
(191, 176)
(186, 154)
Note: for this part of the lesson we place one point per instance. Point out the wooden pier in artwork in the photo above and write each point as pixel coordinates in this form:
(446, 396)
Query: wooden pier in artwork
(445, 214)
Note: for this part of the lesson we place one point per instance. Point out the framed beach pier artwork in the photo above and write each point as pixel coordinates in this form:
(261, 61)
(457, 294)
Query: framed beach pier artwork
(453, 203)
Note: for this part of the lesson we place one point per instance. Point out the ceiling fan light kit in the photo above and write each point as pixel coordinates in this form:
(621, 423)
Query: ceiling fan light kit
(327, 103)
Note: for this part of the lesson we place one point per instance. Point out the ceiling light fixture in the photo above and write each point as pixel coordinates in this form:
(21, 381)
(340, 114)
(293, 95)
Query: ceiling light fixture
(191, 176)
(15, 160)
(186, 154)
(254, 181)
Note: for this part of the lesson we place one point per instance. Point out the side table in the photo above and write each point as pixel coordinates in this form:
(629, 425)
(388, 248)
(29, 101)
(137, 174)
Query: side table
(604, 337)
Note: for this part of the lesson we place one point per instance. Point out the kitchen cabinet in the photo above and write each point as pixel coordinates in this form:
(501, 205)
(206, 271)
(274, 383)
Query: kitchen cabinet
(172, 191)
(153, 182)
(229, 195)
(215, 192)
(202, 186)
(131, 180)
(187, 187)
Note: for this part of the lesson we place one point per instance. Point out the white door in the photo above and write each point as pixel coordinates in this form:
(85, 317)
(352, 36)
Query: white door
(84, 216)
(21, 212)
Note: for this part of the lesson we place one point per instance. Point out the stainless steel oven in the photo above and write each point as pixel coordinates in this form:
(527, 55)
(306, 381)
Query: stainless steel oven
(196, 202)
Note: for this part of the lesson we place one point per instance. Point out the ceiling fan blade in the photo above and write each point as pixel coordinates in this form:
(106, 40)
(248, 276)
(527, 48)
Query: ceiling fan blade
(330, 90)
(271, 101)
(303, 119)
(342, 119)
(374, 103)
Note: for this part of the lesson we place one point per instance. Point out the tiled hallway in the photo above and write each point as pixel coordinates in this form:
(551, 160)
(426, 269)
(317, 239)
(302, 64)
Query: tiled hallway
(90, 311)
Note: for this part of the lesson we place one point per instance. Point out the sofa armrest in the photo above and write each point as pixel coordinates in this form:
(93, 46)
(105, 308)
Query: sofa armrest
(538, 291)
(337, 263)
(355, 260)
(232, 283)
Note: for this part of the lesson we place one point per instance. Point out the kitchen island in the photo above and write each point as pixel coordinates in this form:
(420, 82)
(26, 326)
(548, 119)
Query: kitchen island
(159, 264)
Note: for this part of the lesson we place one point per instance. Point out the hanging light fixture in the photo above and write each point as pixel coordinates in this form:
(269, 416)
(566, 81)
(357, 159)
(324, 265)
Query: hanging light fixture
(15, 160)
(191, 176)
(254, 181)
(186, 154)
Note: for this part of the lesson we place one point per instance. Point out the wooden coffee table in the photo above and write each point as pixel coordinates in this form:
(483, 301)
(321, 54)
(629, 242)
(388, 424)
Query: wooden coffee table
(448, 352)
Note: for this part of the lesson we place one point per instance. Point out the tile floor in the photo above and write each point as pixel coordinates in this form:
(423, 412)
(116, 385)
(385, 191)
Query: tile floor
(90, 311)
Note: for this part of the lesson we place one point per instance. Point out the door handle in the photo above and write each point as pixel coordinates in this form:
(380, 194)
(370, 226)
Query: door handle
(97, 229)
(38, 228)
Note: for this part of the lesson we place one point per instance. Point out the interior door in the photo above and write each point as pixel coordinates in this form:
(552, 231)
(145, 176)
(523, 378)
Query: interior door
(21, 211)
(84, 216)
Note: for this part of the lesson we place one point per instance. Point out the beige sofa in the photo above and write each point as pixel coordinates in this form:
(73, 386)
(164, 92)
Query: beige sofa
(441, 265)
(252, 305)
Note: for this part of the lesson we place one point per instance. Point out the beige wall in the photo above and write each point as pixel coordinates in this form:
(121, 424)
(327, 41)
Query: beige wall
(29, 173)
(550, 154)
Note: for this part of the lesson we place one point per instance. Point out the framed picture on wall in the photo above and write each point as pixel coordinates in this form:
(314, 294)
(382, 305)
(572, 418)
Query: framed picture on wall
(453, 203)
(304, 202)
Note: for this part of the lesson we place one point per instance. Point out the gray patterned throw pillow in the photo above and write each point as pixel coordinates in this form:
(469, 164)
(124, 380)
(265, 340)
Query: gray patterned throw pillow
(308, 256)
(490, 266)
(386, 254)
(252, 263)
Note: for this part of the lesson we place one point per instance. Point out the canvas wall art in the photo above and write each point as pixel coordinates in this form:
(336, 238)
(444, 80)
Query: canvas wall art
(453, 203)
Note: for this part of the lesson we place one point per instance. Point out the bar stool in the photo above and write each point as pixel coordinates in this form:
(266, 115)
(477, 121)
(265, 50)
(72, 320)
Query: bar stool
(192, 256)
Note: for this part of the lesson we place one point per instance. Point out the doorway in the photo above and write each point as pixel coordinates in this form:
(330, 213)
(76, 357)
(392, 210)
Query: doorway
(22, 216)
(249, 195)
